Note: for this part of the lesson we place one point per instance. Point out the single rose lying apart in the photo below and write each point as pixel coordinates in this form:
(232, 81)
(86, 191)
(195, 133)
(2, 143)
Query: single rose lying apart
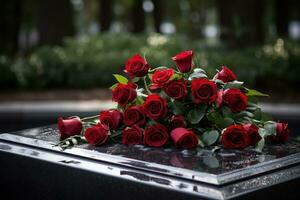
(164, 106)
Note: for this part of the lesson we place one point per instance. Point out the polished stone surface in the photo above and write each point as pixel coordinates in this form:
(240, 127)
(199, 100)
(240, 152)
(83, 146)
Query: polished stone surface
(202, 165)
(30, 161)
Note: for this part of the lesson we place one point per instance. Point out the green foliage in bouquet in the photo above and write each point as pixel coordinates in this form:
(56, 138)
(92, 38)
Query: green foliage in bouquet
(182, 107)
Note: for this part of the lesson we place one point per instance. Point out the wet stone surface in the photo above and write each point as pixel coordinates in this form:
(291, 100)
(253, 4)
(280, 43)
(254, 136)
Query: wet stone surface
(198, 160)
(198, 174)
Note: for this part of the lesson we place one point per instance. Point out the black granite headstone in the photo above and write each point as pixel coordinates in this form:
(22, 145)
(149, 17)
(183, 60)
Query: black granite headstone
(32, 167)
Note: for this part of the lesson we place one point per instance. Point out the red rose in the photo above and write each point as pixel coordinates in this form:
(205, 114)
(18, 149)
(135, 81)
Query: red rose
(136, 66)
(112, 118)
(156, 135)
(134, 115)
(184, 138)
(235, 100)
(234, 137)
(219, 99)
(155, 107)
(203, 90)
(176, 89)
(282, 132)
(177, 121)
(124, 93)
(132, 135)
(160, 77)
(253, 134)
(184, 61)
(68, 127)
(97, 135)
(225, 75)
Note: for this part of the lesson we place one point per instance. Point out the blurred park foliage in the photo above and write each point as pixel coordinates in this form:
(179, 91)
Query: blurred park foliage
(80, 43)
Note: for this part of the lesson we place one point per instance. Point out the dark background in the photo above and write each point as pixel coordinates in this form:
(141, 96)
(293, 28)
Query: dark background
(80, 43)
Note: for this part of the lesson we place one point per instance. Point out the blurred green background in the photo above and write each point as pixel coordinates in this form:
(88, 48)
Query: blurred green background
(67, 44)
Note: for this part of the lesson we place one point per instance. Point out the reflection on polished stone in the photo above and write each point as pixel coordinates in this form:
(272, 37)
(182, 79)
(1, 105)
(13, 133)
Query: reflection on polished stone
(162, 160)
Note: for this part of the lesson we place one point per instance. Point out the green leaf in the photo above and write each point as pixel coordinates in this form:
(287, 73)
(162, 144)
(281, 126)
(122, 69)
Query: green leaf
(195, 115)
(216, 118)
(226, 111)
(219, 81)
(267, 130)
(135, 79)
(113, 86)
(198, 130)
(151, 122)
(255, 93)
(139, 100)
(200, 143)
(225, 122)
(177, 107)
(252, 99)
(263, 132)
(233, 84)
(120, 78)
(260, 145)
(210, 137)
(257, 114)
(243, 117)
(176, 77)
(270, 126)
(163, 95)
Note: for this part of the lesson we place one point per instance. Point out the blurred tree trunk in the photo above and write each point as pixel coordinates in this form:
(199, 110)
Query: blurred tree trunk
(282, 17)
(241, 22)
(55, 21)
(158, 14)
(138, 17)
(106, 14)
(10, 21)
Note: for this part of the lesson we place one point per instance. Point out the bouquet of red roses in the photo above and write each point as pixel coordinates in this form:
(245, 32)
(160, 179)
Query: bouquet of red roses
(183, 106)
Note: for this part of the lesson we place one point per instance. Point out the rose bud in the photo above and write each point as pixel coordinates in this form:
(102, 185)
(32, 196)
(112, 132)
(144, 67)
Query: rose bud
(253, 134)
(132, 135)
(156, 135)
(124, 93)
(155, 107)
(282, 132)
(176, 89)
(177, 121)
(235, 137)
(184, 61)
(203, 90)
(136, 66)
(225, 75)
(134, 115)
(69, 127)
(235, 100)
(184, 138)
(111, 118)
(160, 77)
(97, 134)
